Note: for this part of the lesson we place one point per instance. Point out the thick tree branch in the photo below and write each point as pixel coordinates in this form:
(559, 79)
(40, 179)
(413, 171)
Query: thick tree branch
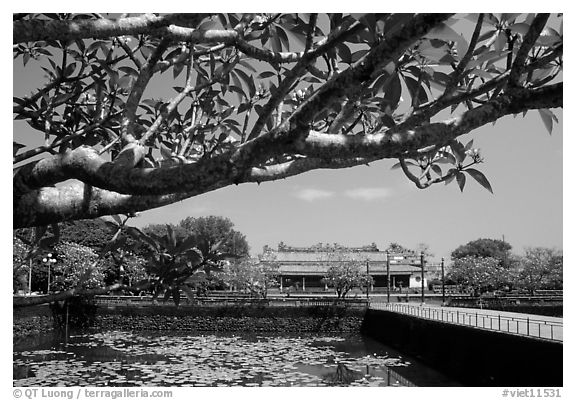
(396, 143)
(206, 175)
(345, 84)
(76, 200)
(35, 30)
(344, 31)
(527, 44)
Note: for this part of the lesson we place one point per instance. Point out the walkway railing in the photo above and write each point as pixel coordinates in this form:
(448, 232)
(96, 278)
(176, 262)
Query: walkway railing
(482, 319)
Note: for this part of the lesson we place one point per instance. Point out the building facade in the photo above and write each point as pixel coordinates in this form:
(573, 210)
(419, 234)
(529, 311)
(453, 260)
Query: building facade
(303, 268)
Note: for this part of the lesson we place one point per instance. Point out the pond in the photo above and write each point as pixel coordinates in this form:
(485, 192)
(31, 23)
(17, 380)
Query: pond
(118, 358)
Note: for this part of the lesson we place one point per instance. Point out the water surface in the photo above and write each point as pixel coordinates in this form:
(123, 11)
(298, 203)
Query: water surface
(118, 358)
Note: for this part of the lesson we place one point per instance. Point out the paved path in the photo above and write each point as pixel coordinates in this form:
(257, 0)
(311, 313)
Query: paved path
(538, 326)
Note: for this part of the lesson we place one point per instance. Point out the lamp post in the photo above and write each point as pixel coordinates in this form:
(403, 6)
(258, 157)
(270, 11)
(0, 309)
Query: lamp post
(422, 273)
(30, 277)
(443, 289)
(48, 260)
(388, 276)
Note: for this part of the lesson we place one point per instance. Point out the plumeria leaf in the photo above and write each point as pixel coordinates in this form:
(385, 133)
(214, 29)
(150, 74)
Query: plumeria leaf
(480, 178)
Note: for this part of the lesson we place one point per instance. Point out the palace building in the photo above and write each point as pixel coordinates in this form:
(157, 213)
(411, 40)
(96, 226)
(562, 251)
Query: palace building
(303, 268)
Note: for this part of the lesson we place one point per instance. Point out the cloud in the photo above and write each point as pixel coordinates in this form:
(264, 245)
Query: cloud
(313, 194)
(369, 194)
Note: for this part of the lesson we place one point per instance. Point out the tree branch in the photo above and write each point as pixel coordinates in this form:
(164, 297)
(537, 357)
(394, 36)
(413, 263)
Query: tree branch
(69, 30)
(310, 33)
(527, 44)
(344, 31)
(459, 71)
(205, 175)
(136, 93)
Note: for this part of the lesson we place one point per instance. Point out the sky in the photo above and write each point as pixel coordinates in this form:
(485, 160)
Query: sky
(361, 205)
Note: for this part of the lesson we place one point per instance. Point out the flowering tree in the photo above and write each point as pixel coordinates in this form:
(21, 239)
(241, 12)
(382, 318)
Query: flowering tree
(254, 276)
(76, 266)
(261, 97)
(345, 275)
(20, 264)
(479, 273)
(541, 268)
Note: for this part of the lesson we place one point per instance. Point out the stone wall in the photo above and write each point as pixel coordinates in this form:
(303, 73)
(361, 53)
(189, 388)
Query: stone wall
(231, 318)
(475, 357)
(31, 321)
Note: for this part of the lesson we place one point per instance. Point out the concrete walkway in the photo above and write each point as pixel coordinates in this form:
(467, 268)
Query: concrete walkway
(537, 326)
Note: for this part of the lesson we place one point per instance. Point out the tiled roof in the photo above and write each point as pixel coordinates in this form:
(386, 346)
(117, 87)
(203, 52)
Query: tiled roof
(377, 269)
(376, 256)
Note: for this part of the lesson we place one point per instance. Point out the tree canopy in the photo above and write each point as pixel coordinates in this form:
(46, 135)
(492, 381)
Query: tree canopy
(213, 229)
(261, 97)
(494, 248)
(541, 269)
(480, 273)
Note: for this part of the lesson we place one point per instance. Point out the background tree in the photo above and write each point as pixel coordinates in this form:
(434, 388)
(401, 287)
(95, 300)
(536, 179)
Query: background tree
(493, 248)
(76, 266)
(212, 229)
(176, 264)
(254, 276)
(541, 269)
(261, 97)
(125, 266)
(20, 265)
(217, 230)
(162, 230)
(482, 274)
(394, 247)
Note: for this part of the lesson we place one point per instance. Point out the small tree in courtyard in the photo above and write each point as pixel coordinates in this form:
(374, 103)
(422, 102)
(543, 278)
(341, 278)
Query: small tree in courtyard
(346, 275)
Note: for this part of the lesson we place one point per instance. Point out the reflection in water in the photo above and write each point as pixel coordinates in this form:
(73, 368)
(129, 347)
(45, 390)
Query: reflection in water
(158, 359)
(342, 376)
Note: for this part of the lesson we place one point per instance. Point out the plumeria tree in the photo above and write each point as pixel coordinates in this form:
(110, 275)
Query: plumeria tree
(75, 266)
(479, 273)
(20, 264)
(345, 275)
(260, 97)
(541, 268)
(254, 276)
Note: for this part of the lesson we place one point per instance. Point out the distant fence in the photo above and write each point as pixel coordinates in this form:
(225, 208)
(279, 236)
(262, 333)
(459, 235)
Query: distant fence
(219, 301)
(534, 327)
